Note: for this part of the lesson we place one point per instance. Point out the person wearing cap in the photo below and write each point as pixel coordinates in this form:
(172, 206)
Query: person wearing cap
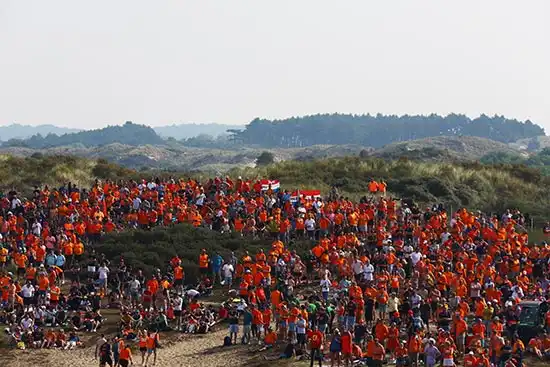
(470, 360)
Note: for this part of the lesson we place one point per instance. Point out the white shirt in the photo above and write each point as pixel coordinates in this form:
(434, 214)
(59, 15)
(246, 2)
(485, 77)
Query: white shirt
(357, 267)
(134, 285)
(200, 199)
(475, 290)
(408, 249)
(415, 257)
(368, 270)
(310, 224)
(36, 229)
(415, 300)
(27, 291)
(26, 323)
(192, 293)
(178, 303)
(15, 202)
(136, 203)
(318, 205)
(228, 270)
(325, 285)
(103, 272)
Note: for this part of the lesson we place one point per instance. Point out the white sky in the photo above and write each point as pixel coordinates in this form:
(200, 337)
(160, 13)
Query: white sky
(88, 64)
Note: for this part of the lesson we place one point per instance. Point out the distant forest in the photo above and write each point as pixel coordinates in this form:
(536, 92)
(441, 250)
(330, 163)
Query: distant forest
(378, 130)
(129, 134)
(336, 129)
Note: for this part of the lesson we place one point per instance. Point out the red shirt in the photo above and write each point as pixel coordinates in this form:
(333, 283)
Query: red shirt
(315, 339)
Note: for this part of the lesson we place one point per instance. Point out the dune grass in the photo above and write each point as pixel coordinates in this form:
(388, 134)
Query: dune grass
(472, 185)
(491, 188)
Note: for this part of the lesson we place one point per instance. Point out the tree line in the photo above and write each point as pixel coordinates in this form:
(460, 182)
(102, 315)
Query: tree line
(378, 130)
(128, 134)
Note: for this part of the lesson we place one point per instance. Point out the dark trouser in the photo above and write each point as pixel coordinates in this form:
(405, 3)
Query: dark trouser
(316, 353)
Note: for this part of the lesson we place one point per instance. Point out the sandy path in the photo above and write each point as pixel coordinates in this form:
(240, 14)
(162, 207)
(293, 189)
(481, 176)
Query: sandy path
(195, 350)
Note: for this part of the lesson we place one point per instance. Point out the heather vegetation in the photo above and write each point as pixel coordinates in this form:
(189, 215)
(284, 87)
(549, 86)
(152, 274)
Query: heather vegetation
(473, 185)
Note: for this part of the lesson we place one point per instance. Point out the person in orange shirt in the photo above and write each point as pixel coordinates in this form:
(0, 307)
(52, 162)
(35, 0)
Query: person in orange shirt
(470, 360)
(460, 327)
(142, 344)
(20, 260)
(415, 344)
(478, 330)
(270, 338)
(204, 262)
(125, 356)
(378, 353)
(151, 343)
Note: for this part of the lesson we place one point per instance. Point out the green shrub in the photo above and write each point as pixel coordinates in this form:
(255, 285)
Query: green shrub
(149, 250)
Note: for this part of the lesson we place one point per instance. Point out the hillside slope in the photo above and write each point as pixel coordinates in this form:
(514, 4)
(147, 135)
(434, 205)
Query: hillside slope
(443, 148)
(22, 174)
(472, 185)
(176, 156)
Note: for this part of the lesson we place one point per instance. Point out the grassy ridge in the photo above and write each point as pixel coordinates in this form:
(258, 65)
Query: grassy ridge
(22, 174)
(473, 185)
(491, 188)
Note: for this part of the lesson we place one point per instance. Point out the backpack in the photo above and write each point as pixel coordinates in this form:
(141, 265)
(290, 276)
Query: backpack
(227, 341)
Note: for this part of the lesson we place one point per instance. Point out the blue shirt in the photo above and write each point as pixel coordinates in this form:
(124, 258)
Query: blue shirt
(247, 318)
(217, 262)
(60, 260)
(50, 259)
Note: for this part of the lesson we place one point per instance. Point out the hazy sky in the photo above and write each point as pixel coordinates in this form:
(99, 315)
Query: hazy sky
(91, 63)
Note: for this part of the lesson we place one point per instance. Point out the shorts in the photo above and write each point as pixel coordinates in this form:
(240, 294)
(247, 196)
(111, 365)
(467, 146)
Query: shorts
(291, 326)
(402, 361)
(382, 308)
(178, 282)
(246, 329)
(27, 301)
(448, 362)
(234, 329)
(106, 360)
(20, 271)
(177, 313)
(124, 362)
(142, 349)
(150, 351)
